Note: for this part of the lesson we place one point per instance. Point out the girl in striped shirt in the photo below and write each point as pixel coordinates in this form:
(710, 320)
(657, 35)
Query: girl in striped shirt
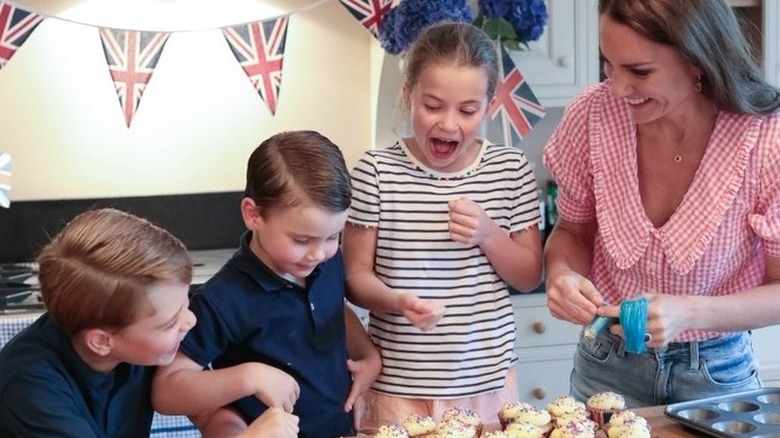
(440, 223)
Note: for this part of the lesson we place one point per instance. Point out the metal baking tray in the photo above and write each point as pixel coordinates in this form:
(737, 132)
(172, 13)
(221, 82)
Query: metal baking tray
(748, 414)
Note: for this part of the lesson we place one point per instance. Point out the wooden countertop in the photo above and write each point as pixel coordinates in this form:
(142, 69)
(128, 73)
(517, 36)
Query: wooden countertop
(663, 427)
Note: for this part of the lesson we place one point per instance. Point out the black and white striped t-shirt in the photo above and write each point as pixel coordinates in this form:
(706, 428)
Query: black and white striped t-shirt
(471, 349)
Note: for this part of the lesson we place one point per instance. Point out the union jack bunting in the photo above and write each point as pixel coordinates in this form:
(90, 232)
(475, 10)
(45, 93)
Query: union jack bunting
(131, 57)
(515, 109)
(15, 26)
(369, 12)
(5, 179)
(259, 49)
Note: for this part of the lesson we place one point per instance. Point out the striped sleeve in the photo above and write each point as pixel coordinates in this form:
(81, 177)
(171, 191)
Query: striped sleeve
(365, 207)
(526, 211)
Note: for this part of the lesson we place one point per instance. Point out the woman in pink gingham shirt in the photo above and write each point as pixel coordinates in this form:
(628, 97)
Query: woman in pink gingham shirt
(669, 188)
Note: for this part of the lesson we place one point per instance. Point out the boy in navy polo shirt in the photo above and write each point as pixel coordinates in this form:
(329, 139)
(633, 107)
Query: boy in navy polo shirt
(115, 289)
(272, 324)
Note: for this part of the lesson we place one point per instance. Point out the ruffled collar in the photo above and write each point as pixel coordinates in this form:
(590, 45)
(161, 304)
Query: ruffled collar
(625, 229)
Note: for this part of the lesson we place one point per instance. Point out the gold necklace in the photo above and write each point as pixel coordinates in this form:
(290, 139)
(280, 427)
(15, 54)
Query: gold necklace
(678, 157)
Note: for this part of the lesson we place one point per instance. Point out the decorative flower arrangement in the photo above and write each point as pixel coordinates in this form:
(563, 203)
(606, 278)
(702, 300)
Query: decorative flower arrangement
(405, 21)
(511, 22)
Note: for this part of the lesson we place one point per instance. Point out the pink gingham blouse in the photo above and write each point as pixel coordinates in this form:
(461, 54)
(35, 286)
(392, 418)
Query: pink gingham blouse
(717, 240)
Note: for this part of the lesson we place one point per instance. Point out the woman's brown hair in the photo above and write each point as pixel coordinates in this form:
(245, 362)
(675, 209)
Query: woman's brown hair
(708, 35)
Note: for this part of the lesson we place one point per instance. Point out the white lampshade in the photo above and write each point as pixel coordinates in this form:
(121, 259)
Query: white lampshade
(165, 15)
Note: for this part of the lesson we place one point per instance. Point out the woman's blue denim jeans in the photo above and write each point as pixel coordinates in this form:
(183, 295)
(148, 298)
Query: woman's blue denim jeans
(678, 372)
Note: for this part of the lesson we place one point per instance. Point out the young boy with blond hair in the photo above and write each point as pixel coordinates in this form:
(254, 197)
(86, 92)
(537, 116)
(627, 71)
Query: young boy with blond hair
(115, 288)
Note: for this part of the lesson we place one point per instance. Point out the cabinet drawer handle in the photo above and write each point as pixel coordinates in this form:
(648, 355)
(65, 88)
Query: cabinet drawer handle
(539, 393)
(539, 327)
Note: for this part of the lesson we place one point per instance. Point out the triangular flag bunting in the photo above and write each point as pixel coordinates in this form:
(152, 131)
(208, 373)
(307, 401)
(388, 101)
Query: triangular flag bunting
(5, 179)
(15, 26)
(131, 57)
(259, 49)
(369, 12)
(515, 109)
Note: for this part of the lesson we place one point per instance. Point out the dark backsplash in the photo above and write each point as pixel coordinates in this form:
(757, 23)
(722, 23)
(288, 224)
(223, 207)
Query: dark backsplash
(201, 221)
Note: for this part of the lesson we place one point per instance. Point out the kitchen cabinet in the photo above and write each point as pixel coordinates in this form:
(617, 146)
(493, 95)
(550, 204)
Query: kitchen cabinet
(545, 349)
(565, 59)
(761, 19)
(765, 343)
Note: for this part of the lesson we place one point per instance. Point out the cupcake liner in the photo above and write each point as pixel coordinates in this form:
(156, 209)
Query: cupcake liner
(502, 421)
(602, 416)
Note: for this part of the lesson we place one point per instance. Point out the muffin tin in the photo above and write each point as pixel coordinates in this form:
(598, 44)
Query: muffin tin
(748, 414)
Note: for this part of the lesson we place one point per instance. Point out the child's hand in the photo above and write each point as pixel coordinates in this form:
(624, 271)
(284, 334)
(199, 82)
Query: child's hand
(273, 386)
(274, 423)
(364, 373)
(423, 314)
(468, 224)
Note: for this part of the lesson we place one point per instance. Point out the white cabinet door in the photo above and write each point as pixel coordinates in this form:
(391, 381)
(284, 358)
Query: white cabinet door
(771, 13)
(545, 349)
(536, 327)
(766, 344)
(565, 59)
(543, 374)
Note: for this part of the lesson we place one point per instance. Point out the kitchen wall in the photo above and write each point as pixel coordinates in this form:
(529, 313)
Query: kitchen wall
(199, 117)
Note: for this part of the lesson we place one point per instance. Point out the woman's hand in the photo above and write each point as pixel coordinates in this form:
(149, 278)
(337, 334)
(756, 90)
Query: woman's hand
(568, 257)
(666, 318)
(572, 297)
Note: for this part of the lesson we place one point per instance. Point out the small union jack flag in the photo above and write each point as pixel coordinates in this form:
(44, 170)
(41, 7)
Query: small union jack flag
(5, 179)
(15, 26)
(259, 49)
(131, 57)
(369, 12)
(515, 109)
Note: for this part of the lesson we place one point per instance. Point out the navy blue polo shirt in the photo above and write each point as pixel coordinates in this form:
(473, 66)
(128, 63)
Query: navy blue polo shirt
(248, 313)
(46, 390)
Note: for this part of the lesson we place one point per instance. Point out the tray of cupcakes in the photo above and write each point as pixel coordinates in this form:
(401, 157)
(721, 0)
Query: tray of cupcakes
(602, 416)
